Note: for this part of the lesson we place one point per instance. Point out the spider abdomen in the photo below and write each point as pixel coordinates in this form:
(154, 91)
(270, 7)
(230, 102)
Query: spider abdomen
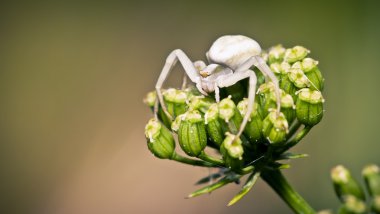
(233, 50)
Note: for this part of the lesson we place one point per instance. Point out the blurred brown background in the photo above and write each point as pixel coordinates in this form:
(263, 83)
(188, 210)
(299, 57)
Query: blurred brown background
(73, 75)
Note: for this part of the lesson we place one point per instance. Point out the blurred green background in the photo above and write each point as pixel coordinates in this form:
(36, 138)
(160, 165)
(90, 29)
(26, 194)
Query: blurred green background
(74, 74)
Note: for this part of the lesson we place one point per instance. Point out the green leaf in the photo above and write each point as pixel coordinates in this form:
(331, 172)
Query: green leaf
(222, 182)
(247, 186)
(289, 155)
(277, 165)
(209, 178)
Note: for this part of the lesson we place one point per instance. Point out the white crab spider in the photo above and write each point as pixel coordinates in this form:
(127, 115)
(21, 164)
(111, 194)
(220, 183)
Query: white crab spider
(230, 59)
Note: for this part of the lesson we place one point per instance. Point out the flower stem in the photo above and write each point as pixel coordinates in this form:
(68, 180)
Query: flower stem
(193, 162)
(300, 135)
(277, 181)
(212, 160)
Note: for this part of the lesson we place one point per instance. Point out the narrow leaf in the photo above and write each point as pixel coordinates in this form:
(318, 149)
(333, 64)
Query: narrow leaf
(246, 188)
(222, 182)
(209, 178)
(277, 165)
(292, 156)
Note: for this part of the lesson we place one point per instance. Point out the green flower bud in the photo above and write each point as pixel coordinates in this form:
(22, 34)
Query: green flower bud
(229, 114)
(276, 68)
(160, 140)
(375, 205)
(200, 103)
(266, 88)
(192, 135)
(177, 122)
(287, 106)
(287, 86)
(314, 75)
(232, 151)
(295, 54)
(309, 106)
(275, 127)
(175, 101)
(253, 129)
(276, 54)
(298, 77)
(226, 109)
(280, 69)
(371, 176)
(285, 67)
(345, 185)
(309, 64)
(150, 99)
(214, 128)
(352, 205)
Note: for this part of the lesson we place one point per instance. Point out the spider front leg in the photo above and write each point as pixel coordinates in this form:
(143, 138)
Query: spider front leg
(190, 70)
(264, 68)
(234, 78)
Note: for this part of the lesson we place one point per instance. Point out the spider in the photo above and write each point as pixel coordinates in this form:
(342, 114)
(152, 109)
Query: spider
(230, 60)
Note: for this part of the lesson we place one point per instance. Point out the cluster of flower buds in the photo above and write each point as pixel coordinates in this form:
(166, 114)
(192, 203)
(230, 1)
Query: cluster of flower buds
(352, 195)
(199, 122)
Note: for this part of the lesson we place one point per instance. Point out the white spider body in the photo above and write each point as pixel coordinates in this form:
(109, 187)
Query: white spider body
(230, 58)
(232, 51)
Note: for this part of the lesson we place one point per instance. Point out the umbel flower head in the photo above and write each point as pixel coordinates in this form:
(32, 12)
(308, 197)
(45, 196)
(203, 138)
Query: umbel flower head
(352, 194)
(200, 124)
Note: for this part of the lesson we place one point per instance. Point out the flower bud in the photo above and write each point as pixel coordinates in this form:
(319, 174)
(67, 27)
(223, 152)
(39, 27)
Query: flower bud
(298, 77)
(287, 107)
(265, 90)
(345, 185)
(253, 129)
(200, 103)
(375, 205)
(371, 176)
(229, 114)
(175, 101)
(276, 54)
(213, 126)
(232, 151)
(160, 140)
(269, 101)
(150, 99)
(192, 135)
(352, 205)
(177, 122)
(275, 127)
(309, 67)
(288, 87)
(295, 54)
(276, 68)
(309, 107)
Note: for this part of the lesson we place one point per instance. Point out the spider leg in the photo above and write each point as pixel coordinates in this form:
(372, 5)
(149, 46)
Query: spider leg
(264, 68)
(190, 70)
(231, 80)
(184, 81)
(199, 65)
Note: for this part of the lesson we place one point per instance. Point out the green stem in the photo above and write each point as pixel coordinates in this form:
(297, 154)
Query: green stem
(293, 129)
(300, 135)
(279, 184)
(212, 160)
(193, 162)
